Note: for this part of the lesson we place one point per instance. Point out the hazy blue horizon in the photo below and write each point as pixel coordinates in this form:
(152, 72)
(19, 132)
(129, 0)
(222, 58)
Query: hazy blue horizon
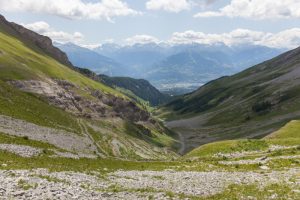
(94, 22)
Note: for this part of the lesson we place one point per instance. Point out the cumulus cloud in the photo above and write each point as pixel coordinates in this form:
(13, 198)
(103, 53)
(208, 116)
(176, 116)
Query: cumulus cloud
(257, 9)
(286, 39)
(169, 5)
(90, 46)
(39, 27)
(71, 9)
(44, 28)
(141, 39)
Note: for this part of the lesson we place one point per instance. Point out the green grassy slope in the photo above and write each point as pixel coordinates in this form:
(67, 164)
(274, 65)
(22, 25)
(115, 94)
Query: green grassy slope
(287, 136)
(21, 59)
(31, 108)
(251, 104)
(228, 146)
(291, 130)
(201, 159)
(20, 62)
(143, 94)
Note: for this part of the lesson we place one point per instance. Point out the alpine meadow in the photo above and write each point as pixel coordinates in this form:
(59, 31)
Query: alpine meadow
(151, 99)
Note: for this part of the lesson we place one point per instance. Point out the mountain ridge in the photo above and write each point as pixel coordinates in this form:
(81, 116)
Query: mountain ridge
(85, 58)
(250, 104)
(140, 87)
(43, 42)
(53, 103)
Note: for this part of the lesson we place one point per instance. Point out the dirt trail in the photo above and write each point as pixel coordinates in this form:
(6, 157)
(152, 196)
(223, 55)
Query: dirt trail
(182, 142)
(190, 134)
(192, 138)
(85, 131)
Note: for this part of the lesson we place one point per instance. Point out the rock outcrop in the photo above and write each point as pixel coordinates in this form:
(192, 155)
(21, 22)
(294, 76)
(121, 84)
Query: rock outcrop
(43, 42)
(61, 93)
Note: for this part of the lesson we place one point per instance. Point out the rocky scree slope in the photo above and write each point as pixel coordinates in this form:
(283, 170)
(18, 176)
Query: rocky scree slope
(40, 87)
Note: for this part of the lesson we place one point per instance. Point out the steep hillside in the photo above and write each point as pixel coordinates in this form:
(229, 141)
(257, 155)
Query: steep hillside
(244, 57)
(41, 43)
(285, 141)
(290, 130)
(250, 104)
(139, 87)
(45, 101)
(139, 90)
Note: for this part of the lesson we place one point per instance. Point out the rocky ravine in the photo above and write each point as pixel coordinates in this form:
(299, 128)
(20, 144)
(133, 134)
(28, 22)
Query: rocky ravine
(42, 184)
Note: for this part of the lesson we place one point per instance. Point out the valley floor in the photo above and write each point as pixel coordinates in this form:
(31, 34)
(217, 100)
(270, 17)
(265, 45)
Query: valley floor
(269, 173)
(190, 134)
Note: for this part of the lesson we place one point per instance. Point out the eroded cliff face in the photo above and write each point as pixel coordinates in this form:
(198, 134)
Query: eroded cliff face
(64, 95)
(43, 42)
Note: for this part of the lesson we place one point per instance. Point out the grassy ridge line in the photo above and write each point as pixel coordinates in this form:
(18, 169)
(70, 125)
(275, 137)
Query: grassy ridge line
(290, 130)
(19, 62)
(289, 135)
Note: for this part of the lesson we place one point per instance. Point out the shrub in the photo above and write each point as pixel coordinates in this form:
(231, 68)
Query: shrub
(25, 137)
(261, 106)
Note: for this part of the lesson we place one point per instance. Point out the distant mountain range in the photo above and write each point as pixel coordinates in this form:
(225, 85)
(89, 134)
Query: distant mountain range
(172, 69)
(84, 57)
(138, 56)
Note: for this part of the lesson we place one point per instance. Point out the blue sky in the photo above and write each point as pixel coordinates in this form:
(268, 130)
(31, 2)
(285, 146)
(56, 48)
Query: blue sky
(87, 22)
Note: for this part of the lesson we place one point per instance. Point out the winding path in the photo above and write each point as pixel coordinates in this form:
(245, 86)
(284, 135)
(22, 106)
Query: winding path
(86, 132)
(182, 142)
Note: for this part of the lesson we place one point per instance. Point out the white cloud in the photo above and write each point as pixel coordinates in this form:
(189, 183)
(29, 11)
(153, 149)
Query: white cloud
(141, 39)
(44, 28)
(71, 9)
(257, 9)
(169, 5)
(286, 39)
(39, 27)
(61, 36)
(289, 38)
(90, 46)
